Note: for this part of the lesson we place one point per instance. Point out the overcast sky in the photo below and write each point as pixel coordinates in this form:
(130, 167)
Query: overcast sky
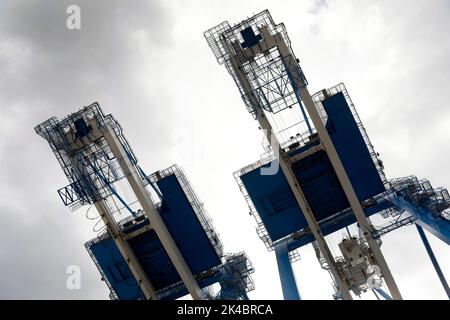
(147, 63)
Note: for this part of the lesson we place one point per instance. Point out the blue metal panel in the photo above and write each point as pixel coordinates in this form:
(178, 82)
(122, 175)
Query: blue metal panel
(340, 221)
(274, 200)
(188, 234)
(383, 293)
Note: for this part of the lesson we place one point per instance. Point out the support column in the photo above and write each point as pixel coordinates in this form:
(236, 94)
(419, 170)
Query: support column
(287, 277)
(433, 259)
(152, 214)
(126, 251)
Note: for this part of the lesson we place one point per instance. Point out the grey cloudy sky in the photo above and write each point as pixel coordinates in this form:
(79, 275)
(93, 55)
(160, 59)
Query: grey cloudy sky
(147, 63)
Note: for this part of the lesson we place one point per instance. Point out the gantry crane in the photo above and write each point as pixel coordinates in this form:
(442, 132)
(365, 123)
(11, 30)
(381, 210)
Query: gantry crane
(330, 175)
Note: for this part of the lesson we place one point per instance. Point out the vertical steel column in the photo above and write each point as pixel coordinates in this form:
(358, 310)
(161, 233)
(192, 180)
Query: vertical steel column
(293, 183)
(287, 277)
(433, 259)
(152, 213)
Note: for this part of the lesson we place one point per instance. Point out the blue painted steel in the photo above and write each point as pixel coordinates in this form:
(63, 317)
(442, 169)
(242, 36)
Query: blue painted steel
(383, 294)
(154, 260)
(337, 222)
(115, 270)
(188, 234)
(81, 127)
(141, 171)
(352, 148)
(287, 277)
(119, 276)
(113, 191)
(250, 38)
(274, 200)
(433, 260)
